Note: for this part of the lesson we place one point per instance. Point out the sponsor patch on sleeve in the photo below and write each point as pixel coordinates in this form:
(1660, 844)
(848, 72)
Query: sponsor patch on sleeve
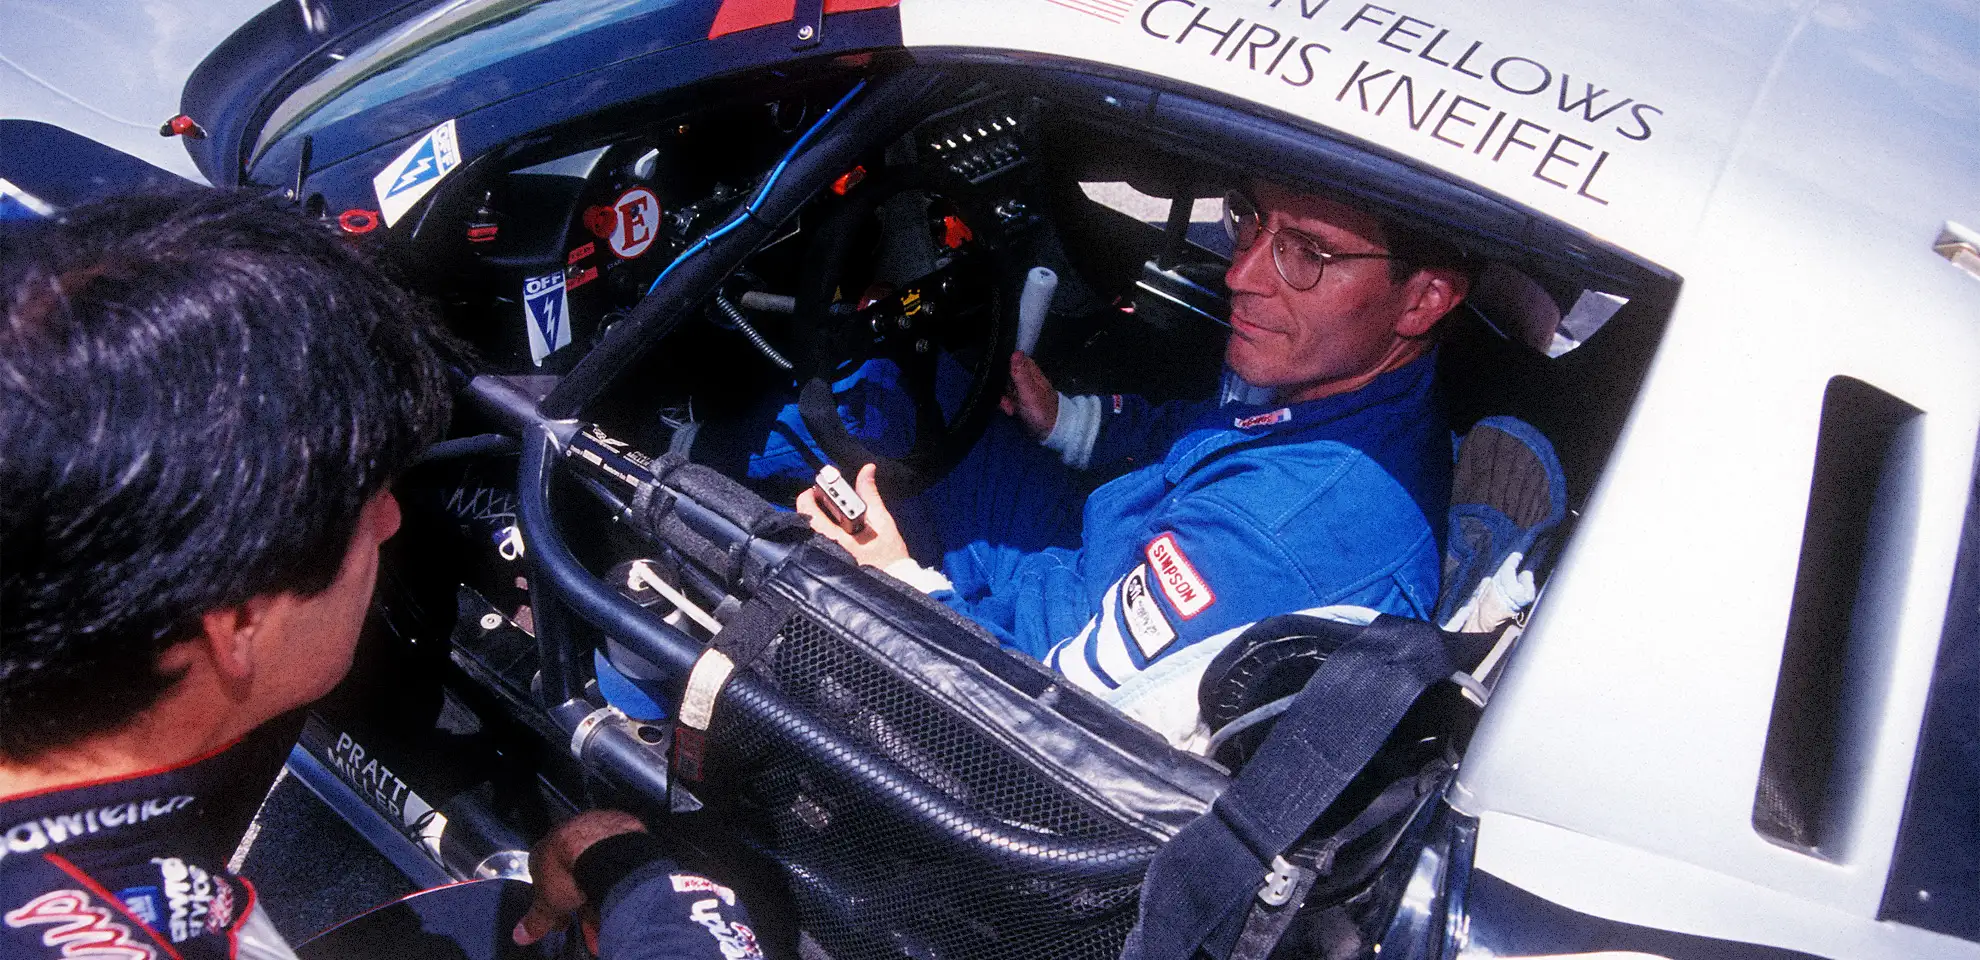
(548, 312)
(692, 883)
(1280, 415)
(414, 173)
(1143, 616)
(1184, 587)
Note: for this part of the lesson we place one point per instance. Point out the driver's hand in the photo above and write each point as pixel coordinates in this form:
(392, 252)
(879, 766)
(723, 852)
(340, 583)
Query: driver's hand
(879, 544)
(1031, 397)
(555, 897)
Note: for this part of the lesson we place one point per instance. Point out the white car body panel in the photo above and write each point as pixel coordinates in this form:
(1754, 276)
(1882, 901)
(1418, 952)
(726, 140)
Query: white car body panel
(1808, 155)
(1612, 880)
(111, 70)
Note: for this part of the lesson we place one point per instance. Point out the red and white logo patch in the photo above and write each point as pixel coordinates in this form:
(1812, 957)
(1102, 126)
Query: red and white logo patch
(1280, 415)
(636, 224)
(690, 883)
(1180, 582)
(79, 928)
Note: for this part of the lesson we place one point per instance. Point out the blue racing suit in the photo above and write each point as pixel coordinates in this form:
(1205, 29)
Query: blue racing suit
(1250, 511)
(1240, 512)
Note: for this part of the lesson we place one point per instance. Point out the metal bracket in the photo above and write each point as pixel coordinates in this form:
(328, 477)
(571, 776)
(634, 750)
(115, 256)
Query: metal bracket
(807, 24)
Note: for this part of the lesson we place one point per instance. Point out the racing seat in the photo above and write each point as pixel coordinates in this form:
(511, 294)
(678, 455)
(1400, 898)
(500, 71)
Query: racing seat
(1508, 506)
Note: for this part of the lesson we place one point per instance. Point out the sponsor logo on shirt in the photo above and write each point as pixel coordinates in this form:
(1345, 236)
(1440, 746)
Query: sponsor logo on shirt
(196, 901)
(690, 883)
(1280, 415)
(142, 902)
(1117, 403)
(80, 928)
(31, 836)
(1143, 616)
(1180, 582)
(737, 942)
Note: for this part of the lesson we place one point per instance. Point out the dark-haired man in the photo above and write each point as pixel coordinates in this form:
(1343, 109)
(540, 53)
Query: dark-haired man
(1331, 492)
(202, 401)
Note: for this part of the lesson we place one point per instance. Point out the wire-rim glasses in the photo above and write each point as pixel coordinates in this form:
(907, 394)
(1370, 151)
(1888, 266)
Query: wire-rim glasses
(1298, 257)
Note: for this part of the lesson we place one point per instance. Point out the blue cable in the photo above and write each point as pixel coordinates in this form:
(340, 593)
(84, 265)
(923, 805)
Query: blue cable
(749, 209)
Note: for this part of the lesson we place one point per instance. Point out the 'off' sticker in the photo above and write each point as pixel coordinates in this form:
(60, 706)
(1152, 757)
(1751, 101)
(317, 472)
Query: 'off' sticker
(638, 222)
(414, 173)
(548, 314)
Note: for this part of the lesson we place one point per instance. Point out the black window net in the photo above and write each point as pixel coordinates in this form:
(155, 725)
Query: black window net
(913, 831)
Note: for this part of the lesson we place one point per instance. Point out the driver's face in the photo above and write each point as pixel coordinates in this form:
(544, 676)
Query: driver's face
(1332, 338)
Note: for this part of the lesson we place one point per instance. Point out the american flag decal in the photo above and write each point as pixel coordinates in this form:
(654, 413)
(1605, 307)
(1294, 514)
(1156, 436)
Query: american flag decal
(1112, 11)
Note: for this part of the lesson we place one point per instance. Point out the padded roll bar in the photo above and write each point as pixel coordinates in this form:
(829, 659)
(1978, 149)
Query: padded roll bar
(903, 797)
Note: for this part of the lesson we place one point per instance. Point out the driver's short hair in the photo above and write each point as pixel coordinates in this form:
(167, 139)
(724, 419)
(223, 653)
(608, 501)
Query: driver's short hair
(198, 394)
(1417, 249)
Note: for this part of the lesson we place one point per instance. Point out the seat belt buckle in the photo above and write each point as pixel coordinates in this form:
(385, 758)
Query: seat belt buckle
(1279, 883)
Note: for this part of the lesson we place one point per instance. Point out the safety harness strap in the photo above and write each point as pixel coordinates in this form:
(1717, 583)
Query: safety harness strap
(1199, 887)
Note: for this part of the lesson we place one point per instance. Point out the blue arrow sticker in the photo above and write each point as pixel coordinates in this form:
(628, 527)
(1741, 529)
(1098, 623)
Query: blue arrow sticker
(416, 172)
(548, 314)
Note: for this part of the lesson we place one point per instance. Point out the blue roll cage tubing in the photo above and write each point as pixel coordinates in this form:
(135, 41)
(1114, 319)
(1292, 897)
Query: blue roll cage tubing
(749, 210)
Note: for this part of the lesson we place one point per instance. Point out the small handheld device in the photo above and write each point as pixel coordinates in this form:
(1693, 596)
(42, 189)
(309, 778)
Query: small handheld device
(840, 499)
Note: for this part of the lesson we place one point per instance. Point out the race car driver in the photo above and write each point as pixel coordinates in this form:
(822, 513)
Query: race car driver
(1332, 492)
(203, 399)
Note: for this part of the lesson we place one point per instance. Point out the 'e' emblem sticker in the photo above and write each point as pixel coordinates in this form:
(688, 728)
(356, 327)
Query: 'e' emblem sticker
(638, 221)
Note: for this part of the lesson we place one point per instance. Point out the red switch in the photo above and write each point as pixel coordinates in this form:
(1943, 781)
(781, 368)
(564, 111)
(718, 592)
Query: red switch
(848, 180)
(955, 233)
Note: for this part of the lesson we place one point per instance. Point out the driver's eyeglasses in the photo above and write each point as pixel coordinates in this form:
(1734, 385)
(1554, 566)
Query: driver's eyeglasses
(1298, 257)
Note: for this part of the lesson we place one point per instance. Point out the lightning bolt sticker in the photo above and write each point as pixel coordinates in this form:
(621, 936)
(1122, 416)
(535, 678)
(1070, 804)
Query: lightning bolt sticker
(547, 312)
(413, 174)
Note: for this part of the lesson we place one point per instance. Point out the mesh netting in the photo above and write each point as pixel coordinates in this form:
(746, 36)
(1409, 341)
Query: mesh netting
(904, 830)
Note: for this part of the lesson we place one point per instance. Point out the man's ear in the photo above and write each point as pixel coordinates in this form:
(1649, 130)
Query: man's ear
(232, 637)
(1429, 294)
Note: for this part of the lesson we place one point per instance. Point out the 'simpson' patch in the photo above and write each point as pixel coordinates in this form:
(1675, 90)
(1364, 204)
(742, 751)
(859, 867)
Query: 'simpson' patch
(1180, 582)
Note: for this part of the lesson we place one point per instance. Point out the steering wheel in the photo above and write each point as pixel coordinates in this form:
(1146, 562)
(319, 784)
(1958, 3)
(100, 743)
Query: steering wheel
(965, 306)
